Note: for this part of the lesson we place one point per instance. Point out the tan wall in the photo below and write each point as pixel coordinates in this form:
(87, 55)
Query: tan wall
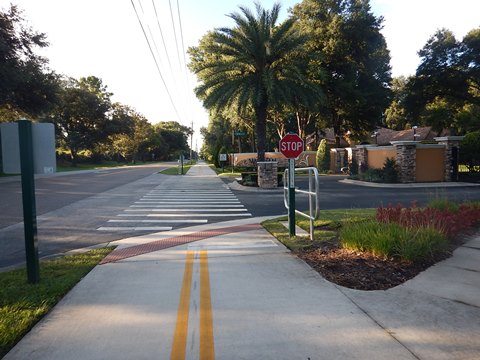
(250, 159)
(377, 157)
(430, 164)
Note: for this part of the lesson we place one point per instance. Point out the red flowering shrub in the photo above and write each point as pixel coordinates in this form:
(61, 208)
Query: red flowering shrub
(449, 222)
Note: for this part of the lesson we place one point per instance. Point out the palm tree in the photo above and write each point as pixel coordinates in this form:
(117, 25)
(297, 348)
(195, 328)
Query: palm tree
(256, 64)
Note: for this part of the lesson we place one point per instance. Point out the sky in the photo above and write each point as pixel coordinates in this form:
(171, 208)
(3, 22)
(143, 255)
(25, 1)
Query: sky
(103, 38)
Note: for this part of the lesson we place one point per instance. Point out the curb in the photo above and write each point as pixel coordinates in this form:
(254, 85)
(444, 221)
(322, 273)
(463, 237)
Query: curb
(236, 186)
(408, 186)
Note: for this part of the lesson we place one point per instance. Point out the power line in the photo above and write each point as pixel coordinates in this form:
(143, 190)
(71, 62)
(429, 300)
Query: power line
(181, 35)
(186, 73)
(155, 59)
(161, 34)
(175, 33)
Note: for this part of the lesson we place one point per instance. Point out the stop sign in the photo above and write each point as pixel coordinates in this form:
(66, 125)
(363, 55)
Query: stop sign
(291, 146)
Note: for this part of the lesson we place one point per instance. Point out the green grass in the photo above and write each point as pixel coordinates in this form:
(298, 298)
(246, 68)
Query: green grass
(229, 174)
(357, 229)
(174, 170)
(90, 166)
(22, 304)
(393, 240)
(326, 227)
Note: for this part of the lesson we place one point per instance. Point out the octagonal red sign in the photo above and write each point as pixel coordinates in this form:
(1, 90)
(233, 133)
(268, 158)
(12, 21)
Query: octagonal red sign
(291, 146)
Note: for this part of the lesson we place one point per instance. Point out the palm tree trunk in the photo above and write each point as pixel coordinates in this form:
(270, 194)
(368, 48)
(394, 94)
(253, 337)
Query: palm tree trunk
(261, 115)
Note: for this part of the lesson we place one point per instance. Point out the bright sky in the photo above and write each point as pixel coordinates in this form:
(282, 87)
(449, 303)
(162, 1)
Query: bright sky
(103, 38)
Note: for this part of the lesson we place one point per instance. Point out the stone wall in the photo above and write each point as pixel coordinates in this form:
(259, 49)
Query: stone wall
(406, 157)
(362, 157)
(406, 160)
(450, 142)
(267, 174)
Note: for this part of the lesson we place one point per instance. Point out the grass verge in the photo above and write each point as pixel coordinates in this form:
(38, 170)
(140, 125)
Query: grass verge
(22, 304)
(357, 229)
(90, 166)
(325, 228)
(393, 240)
(175, 170)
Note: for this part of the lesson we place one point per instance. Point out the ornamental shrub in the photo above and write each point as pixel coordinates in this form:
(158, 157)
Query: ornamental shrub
(389, 171)
(323, 156)
(470, 151)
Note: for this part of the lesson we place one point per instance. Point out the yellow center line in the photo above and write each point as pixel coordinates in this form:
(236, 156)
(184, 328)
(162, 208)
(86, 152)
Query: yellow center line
(181, 328)
(206, 325)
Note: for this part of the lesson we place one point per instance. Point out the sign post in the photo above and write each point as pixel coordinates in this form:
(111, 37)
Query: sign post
(28, 196)
(223, 159)
(291, 146)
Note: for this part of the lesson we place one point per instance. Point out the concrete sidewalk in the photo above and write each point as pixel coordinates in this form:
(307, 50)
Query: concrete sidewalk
(231, 291)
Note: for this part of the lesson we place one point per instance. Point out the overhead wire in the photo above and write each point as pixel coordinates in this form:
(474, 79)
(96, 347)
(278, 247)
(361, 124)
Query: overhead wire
(161, 34)
(174, 32)
(186, 72)
(155, 60)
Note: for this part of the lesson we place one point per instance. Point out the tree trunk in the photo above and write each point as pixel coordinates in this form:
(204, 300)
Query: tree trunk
(74, 156)
(261, 115)
(336, 128)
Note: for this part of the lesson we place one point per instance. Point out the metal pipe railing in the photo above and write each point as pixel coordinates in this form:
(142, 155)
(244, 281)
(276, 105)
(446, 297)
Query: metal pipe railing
(313, 192)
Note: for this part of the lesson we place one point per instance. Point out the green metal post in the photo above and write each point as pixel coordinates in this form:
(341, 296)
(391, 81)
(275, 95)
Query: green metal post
(291, 196)
(28, 196)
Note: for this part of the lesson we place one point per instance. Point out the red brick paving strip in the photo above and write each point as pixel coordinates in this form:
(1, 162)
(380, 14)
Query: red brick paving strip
(136, 250)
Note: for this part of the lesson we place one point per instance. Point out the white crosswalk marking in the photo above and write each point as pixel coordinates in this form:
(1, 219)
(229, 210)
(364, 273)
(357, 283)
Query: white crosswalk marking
(161, 210)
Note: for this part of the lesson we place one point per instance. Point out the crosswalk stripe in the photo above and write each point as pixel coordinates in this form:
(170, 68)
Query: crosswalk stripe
(135, 228)
(187, 215)
(186, 202)
(177, 206)
(191, 191)
(220, 201)
(154, 221)
(185, 210)
(183, 206)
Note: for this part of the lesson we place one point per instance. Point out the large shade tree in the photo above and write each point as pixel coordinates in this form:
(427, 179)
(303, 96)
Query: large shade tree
(352, 62)
(255, 64)
(27, 87)
(80, 115)
(445, 92)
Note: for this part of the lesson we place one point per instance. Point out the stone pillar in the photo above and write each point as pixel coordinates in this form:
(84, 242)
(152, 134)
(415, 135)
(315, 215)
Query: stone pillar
(267, 174)
(406, 160)
(353, 159)
(362, 157)
(450, 142)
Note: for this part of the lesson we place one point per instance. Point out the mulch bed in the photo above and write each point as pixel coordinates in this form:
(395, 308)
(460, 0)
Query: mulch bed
(360, 270)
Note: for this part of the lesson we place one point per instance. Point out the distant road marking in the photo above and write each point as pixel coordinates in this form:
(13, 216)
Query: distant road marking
(207, 351)
(135, 228)
(186, 215)
(190, 192)
(184, 205)
(159, 221)
(181, 327)
(187, 202)
(184, 210)
(175, 197)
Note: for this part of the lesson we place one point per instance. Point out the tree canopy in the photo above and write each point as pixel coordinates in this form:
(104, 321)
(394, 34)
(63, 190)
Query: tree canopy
(352, 63)
(445, 91)
(256, 64)
(27, 87)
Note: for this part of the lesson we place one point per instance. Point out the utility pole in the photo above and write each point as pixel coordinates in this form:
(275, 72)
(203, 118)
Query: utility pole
(191, 145)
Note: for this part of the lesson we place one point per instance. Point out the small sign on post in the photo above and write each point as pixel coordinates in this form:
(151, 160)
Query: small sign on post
(291, 146)
(223, 159)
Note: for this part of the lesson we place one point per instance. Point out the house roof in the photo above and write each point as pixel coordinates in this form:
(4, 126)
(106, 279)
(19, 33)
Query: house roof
(419, 134)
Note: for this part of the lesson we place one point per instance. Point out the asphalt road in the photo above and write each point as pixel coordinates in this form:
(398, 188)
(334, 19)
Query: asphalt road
(71, 208)
(337, 195)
